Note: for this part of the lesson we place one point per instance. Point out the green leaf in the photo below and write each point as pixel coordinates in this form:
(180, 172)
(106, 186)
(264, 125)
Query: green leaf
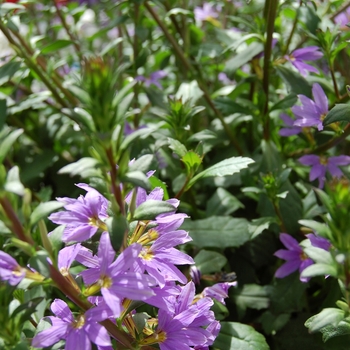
(228, 106)
(117, 227)
(329, 316)
(113, 44)
(209, 262)
(155, 182)
(243, 57)
(7, 143)
(39, 262)
(86, 118)
(339, 113)
(3, 113)
(228, 166)
(319, 255)
(141, 133)
(297, 83)
(320, 270)
(177, 147)
(151, 208)
(343, 328)
(224, 91)
(43, 210)
(192, 161)
(285, 103)
(13, 183)
(84, 167)
(217, 231)
(272, 323)
(8, 70)
(222, 203)
(321, 229)
(137, 178)
(142, 163)
(257, 226)
(237, 336)
(189, 92)
(252, 296)
(55, 238)
(56, 45)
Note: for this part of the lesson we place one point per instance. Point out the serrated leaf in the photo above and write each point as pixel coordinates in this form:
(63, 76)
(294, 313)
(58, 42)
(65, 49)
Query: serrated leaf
(7, 143)
(217, 231)
(192, 161)
(177, 147)
(150, 209)
(43, 210)
(234, 336)
(339, 113)
(208, 261)
(226, 167)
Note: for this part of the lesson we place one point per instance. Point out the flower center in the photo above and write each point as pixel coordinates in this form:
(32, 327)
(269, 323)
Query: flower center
(98, 223)
(150, 236)
(303, 256)
(105, 281)
(323, 160)
(146, 254)
(79, 322)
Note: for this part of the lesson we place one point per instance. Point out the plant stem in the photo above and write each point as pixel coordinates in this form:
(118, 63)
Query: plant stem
(270, 11)
(189, 67)
(290, 37)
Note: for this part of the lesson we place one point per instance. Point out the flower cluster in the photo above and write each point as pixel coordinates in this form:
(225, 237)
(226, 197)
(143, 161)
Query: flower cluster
(145, 270)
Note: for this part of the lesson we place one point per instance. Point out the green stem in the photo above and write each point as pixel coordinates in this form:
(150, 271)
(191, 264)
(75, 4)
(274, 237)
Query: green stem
(295, 22)
(270, 11)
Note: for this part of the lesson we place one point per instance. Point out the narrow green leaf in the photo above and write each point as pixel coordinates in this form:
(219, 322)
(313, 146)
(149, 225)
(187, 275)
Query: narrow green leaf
(13, 183)
(339, 113)
(226, 167)
(321, 229)
(56, 45)
(117, 227)
(39, 263)
(150, 209)
(3, 113)
(137, 178)
(320, 270)
(177, 147)
(7, 143)
(43, 210)
(8, 70)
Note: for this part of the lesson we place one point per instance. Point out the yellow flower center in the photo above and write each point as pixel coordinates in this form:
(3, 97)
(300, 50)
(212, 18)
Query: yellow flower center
(323, 160)
(79, 322)
(105, 281)
(146, 254)
(98, 223)
(150, 236)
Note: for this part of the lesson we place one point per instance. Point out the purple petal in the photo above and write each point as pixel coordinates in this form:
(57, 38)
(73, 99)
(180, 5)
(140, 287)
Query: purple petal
(309, 160)
(67, 255)
(287, 268)
(339, 160)
(320, 98)
(61, 310)
(77, 339)
(318, 171)
(289, 242)
(288, 254)
(319, 242)
(98, 334)
(112, 301)
(106, 253)
(50, 336)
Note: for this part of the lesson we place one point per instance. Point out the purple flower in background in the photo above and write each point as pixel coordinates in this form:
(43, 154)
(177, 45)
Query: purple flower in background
(290, 129)
(225, 79)
(343, 18)
(77, 332)
(319, 242)
(298, 57)
(320, 165)
(294, 256)
(153, 79)
(83, 216)
(195, 275)
(219, 291)
(204, 13)
(311, 113)
(10, 270)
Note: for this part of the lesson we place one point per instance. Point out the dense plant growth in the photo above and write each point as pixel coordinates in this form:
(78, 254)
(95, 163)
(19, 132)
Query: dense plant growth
(174, 174)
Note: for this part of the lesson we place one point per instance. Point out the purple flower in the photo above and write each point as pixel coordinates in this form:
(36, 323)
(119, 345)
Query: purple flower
(113, 277)
(195, 275)
(312, 113)
(320, 165)
(225, 79)
(204, 13)
(343, 18)
(153, 79)
(290, 129)
(83, 216)
(294, 256)
(319, 242)
(219, 291)
(298, 57)
(10, 270)
(77, 332)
